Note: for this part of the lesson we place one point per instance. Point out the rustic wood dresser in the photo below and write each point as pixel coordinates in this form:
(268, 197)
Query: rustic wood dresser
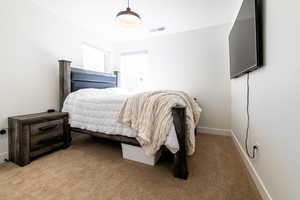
(36, 134)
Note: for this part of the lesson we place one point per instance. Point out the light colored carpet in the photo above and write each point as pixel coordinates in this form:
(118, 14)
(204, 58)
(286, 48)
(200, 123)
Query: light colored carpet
(94, 169)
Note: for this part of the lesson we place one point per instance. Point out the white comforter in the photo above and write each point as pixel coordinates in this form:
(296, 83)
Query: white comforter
(97, 110)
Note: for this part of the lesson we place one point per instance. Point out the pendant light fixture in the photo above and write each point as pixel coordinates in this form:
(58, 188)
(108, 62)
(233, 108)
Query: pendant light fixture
(128, 18)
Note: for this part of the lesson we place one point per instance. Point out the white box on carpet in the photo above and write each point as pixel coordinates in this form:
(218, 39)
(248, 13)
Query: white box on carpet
(137, 154)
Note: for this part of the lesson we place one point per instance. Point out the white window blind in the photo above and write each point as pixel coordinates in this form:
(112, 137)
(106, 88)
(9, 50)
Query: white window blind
(134, 66)
(93, 58)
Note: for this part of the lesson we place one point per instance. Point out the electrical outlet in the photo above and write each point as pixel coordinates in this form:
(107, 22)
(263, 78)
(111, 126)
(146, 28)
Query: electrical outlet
(256, 146)
(3, 131)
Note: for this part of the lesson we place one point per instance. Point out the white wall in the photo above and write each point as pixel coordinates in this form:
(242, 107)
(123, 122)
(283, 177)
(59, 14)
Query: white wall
(274, 102)
(196, 62)
(31, 42)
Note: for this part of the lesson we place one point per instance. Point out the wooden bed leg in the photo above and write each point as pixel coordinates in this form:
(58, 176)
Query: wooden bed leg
(180, 162)
(68, 138)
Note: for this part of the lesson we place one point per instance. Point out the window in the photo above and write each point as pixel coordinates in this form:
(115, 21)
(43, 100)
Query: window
(93, 58)
(134, 68)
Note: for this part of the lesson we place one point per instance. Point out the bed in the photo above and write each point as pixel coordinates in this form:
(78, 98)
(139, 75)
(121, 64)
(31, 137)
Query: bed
(72, 80)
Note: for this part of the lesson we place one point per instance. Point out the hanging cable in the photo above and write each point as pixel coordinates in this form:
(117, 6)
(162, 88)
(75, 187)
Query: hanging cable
(250, 154)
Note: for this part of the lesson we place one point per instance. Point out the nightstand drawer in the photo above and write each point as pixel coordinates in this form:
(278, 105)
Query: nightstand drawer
(45, 140)
(46, 149)
(47, 128)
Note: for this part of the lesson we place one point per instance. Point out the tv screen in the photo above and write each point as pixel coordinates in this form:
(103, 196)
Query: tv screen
(245, 40)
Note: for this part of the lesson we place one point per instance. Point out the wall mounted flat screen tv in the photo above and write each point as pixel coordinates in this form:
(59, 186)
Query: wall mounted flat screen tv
(245, 44)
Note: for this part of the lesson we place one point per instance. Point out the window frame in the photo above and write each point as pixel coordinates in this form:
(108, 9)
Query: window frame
(103, 51)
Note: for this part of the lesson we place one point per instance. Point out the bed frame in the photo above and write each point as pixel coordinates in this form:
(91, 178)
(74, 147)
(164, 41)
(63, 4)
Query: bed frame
(72, 79)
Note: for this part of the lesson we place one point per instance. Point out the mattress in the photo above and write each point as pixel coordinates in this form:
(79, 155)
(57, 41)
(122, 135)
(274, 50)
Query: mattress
(97, 110)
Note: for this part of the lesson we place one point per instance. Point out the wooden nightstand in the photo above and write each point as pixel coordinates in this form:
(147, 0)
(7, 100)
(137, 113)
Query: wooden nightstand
(36, 134)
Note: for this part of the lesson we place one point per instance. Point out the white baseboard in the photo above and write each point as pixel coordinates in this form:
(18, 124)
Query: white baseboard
(214, 131)
(3, 156)
(256, 178)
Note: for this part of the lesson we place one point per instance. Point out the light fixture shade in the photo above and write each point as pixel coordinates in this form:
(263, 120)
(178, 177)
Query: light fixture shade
(128, 19)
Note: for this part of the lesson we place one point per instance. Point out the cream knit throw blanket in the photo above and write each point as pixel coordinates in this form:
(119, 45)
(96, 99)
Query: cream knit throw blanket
(149, 115)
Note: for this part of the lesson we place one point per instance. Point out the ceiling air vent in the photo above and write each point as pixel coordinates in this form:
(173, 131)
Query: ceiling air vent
(159, 29)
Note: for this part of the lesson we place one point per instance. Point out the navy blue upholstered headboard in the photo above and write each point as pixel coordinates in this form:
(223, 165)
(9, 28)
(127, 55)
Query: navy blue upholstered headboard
(81, 79)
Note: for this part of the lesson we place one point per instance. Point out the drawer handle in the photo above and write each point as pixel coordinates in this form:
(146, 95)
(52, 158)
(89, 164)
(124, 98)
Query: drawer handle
(47, 127)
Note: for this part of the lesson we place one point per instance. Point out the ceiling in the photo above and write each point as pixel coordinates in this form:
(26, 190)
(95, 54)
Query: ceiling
(98, 16)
